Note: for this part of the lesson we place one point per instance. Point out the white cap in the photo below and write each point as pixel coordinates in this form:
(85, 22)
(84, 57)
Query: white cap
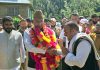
(53, 19)
(83, 21)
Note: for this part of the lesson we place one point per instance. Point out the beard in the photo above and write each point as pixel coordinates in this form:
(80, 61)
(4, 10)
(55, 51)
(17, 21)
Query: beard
(94, 22)
(29, 26)
(8, 30)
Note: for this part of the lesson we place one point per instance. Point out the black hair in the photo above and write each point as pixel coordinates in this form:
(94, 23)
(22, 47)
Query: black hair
(74, 14)
(7, 18)
(72, 25)
(94, 16)
(28, 20)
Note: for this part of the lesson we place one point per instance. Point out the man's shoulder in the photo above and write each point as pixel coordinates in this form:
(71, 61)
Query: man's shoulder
(15, 32)
(2, 31)
(28, 29)
(80, 36)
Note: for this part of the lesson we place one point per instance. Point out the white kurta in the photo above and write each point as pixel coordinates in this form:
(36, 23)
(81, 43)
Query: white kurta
(12, 51)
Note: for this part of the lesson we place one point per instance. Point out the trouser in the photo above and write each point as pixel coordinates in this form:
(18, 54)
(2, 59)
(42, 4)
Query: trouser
(99, 64)
(25, 63)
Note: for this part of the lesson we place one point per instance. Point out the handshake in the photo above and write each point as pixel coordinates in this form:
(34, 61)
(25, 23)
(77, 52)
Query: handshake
(52, 51)
(63, 51)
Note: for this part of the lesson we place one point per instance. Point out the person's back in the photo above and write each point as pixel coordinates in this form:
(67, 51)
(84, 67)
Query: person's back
(91, 62)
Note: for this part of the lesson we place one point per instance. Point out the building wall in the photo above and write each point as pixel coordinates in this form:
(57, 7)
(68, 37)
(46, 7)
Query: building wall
(14, 10)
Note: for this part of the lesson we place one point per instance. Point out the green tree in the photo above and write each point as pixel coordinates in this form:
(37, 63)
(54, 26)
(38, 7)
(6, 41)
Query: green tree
(60, 8)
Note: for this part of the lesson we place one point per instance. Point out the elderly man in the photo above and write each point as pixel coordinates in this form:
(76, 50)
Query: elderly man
(81, 53)
(12, 52)
(40, 40)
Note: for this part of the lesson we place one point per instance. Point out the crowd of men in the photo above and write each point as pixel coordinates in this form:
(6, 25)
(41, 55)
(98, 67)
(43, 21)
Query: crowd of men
(76, 40)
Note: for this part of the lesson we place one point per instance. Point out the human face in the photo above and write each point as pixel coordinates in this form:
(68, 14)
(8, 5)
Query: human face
(23, 24)
(75, 18)
(8, 26)
(53, 23)
(37, 24)
(68, 32)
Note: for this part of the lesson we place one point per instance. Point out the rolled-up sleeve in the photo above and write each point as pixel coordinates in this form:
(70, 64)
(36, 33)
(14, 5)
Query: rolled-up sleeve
(82, 53)
(29, 46)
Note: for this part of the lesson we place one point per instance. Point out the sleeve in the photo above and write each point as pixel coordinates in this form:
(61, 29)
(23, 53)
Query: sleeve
(29, 46)
(22, 49)
(81, 55)
(61, 34)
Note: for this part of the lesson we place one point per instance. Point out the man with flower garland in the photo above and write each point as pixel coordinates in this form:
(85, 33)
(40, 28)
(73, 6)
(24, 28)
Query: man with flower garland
(42, 41)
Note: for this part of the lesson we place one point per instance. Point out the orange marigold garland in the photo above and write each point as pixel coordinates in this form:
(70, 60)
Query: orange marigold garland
(44, 39)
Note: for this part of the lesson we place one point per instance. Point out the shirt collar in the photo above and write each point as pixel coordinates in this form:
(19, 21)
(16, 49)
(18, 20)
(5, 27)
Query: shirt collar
(74, 38)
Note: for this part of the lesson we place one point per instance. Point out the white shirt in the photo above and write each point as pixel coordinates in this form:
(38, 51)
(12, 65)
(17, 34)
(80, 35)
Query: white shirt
(61, 36)
(15, 44)
(28, 44)
(82, 52)
(80, 28)
(15, 68)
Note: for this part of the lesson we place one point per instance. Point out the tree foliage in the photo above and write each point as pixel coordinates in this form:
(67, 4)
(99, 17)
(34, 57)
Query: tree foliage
(61, 8)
